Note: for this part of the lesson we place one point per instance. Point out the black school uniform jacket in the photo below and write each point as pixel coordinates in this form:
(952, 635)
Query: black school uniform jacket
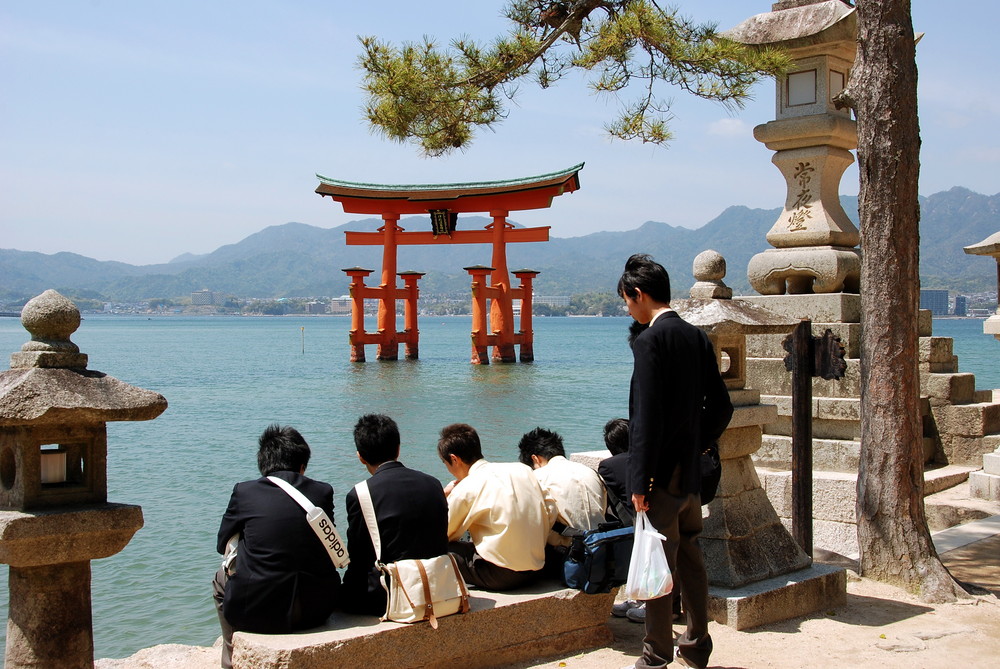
(284, 578)
(678, 403)
(412, 516)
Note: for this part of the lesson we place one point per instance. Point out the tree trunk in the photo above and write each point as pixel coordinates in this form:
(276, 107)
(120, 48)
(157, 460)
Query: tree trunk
(893, 536)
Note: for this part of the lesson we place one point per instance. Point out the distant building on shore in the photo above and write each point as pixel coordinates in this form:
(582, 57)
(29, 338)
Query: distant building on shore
(202, 298)
(552, 300)
(961, 305)
(340, 305)
(935, 300)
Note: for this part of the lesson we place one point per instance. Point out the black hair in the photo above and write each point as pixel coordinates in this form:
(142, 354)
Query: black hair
(649, 276)
(541, 442)
(616, 435)
(461, 440)
(634, 330)
(376, 437)
(282, 448)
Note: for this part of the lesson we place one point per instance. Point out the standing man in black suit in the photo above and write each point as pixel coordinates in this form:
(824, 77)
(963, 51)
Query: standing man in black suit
(282, 579)
(410, 510)
(678, 403)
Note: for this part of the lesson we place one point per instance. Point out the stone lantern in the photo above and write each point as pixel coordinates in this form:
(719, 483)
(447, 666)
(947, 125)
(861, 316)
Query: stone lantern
(54, 513)
(990, 247)
(757, 571)
(814, 239)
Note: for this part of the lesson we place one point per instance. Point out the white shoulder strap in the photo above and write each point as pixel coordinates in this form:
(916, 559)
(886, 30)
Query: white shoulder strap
(302, 500)
(368, 511)
(320, 523)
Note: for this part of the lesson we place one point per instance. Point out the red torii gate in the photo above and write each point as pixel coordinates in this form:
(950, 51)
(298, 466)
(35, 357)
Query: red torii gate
(444, 202)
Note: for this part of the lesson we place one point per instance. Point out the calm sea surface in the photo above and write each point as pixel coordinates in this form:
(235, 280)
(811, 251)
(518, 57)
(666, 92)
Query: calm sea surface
(226, 378)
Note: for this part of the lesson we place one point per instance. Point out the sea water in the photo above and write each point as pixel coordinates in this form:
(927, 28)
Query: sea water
(226, 378)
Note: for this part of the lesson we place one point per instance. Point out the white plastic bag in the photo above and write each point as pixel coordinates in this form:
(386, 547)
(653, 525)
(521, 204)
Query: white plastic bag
(648, 572)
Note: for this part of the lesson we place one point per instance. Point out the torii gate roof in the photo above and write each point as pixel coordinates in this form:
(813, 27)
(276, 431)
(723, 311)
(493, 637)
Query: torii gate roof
(484, 196)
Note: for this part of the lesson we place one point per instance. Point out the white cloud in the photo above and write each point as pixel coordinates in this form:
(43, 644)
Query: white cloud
(728, 127)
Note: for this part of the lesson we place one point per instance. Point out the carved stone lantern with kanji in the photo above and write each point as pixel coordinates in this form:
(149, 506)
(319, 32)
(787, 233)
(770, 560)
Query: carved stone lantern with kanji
(814, 240)
(54, 513)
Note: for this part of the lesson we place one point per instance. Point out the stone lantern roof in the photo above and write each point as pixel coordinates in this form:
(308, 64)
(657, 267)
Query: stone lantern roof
(48, 382)
(988, 247)
(732, 317)
(798, 23)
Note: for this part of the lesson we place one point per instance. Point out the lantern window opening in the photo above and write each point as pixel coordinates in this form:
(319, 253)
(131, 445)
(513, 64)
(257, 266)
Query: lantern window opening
(63, 465)
(801, 88)
(838, 80)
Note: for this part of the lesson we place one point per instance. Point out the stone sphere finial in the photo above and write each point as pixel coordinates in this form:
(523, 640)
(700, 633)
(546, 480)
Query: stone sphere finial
(709, 266)
(709, 269)
(50, 318)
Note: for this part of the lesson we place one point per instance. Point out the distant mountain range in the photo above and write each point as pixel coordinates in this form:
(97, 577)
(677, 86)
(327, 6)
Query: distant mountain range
(298, 260)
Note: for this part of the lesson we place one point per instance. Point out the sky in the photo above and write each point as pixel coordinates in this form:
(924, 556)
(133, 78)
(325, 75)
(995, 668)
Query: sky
(140, 131)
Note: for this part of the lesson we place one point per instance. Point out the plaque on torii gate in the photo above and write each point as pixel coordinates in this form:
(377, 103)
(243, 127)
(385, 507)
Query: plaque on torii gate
(443, 202)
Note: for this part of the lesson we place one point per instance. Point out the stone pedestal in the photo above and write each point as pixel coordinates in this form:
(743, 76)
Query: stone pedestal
(807, 269)
(743, 539)
(780, 598)
(49, 554)
(50, 621)
(985, 484)
(991, 326)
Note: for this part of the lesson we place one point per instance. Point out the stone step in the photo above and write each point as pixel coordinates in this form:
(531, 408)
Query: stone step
(991, 463)
(943, 478)
(834, 503)
(985, 396)
(956, 506)
(823, 408)
(936, 354)
(969, 420)
(983, 485)
(969, 450)
(829, 455)
(835, 493)
(821, 429)
(769, 376)
(776, 448)
(952, 388)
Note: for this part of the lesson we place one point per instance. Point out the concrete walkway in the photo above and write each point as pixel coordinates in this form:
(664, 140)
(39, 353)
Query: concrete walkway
(880, 626)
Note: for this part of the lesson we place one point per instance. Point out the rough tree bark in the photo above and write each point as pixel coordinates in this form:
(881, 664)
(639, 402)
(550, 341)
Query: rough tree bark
(893, 536)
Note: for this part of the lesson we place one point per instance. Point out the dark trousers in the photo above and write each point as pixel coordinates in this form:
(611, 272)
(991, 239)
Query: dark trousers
(678, 518)
(483, 574)
(218, 593)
